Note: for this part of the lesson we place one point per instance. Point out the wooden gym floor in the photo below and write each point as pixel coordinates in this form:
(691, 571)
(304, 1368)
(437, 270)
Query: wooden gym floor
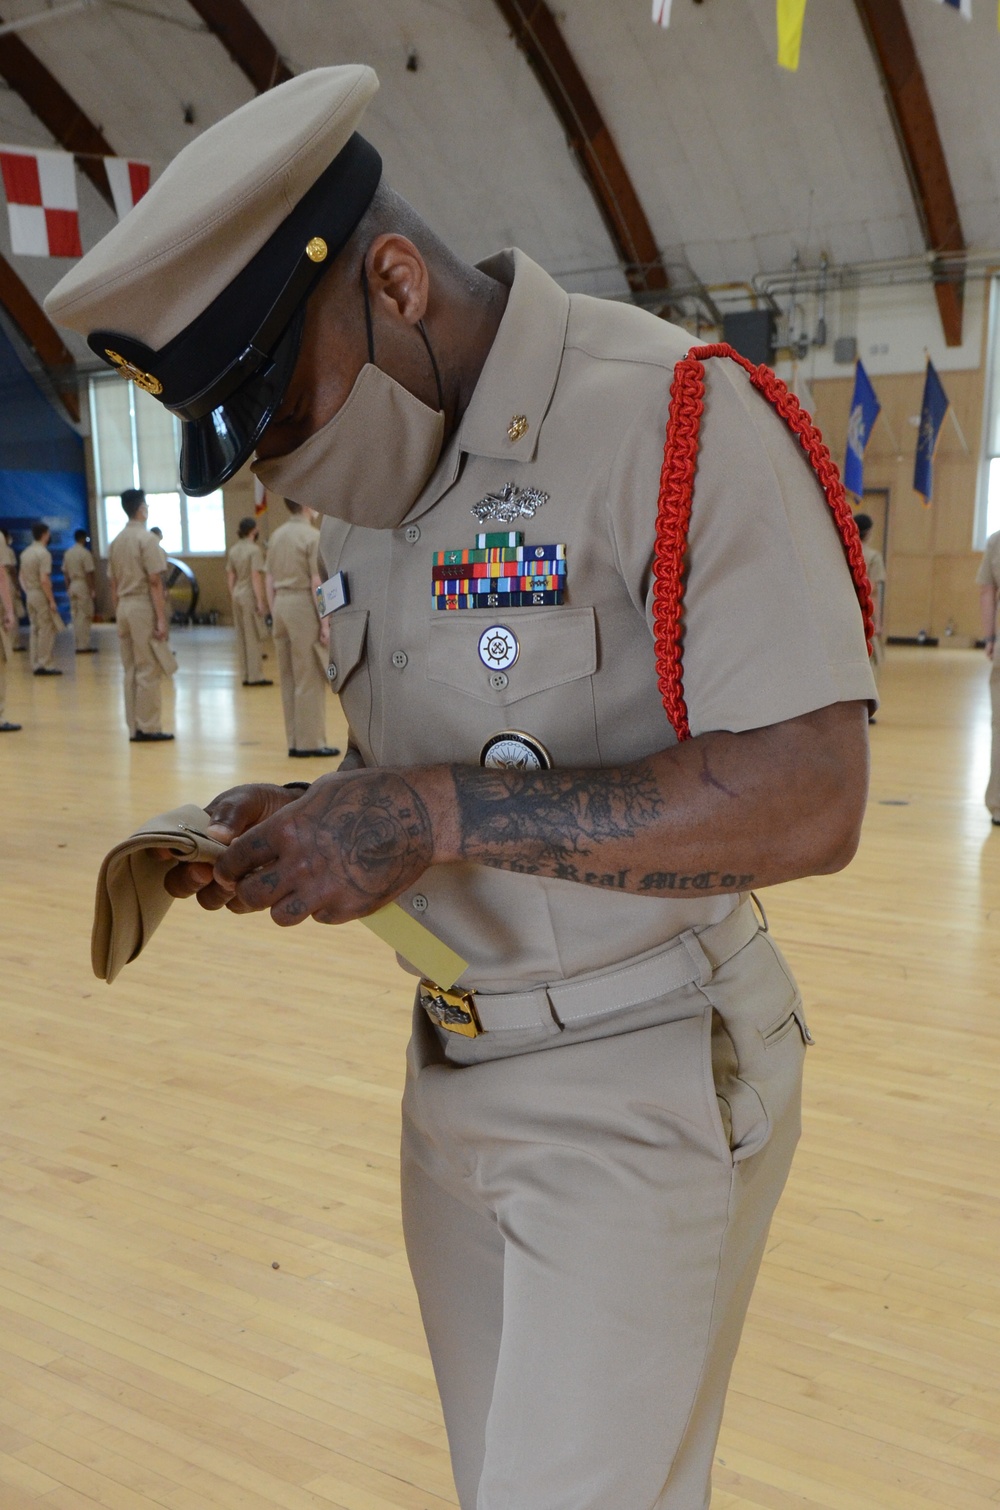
(204, 1302)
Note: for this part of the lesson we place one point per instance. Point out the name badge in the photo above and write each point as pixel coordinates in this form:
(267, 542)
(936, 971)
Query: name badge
(333, 594)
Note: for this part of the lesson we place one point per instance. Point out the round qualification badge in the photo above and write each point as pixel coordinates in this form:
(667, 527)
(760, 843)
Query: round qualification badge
(498, 648)
(510, 750)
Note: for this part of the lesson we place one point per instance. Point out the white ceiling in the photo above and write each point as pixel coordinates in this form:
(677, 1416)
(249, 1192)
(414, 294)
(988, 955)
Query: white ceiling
(737, 163)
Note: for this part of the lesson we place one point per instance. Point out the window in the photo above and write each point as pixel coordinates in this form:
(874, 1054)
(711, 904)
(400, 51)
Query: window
(988, 501)
(136, 445)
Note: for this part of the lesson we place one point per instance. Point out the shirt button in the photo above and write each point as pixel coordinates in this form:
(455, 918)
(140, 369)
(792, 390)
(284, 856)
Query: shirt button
(331, 671)
(399, 659)
(498, 680)
(419, 903)
(411, 534)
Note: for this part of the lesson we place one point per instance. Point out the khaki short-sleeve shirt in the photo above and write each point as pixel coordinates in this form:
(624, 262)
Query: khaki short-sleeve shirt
(244, 558)
(292, 556)
(988, 574)
(874, 565)
(133, 557)
(572, 403)
(36, 563)
(77, 562)
(7, 556)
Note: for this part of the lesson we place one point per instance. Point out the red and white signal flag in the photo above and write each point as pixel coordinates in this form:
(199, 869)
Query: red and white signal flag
(129, 182)
(41, 202)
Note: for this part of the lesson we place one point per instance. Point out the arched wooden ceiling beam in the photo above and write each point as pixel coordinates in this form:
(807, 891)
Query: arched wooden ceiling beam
(536, 32)
(245, 40)
(28, 76)
(920, 143)
(42, 336)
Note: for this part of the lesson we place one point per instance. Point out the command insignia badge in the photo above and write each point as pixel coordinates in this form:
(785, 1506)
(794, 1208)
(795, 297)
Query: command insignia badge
(498, 648)
(510, 750)
(144, 380)
(500, 571)
(509, 504)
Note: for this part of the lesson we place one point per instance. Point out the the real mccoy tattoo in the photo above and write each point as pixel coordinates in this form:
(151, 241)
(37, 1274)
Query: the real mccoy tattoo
(375, 832)
(702, 880)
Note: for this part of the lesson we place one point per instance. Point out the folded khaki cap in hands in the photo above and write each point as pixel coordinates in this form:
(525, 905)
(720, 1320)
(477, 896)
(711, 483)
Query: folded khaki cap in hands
(131, 900)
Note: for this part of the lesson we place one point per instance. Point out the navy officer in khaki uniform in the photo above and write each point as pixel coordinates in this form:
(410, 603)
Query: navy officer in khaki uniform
(599, 1119)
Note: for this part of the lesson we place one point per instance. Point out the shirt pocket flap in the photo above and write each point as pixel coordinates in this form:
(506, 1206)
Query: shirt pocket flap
(555, 646)
(348, 632)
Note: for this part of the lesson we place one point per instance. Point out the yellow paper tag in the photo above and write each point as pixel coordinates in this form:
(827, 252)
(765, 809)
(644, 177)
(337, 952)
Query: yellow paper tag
(416, 944)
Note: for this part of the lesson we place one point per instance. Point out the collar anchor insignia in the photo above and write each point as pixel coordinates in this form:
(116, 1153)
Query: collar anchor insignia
(509, 504)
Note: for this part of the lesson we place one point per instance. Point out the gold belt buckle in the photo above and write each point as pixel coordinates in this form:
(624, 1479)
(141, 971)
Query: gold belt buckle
(455, 1011)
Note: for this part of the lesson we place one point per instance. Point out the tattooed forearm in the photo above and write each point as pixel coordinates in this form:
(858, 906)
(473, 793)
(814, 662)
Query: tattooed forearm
(552, 818)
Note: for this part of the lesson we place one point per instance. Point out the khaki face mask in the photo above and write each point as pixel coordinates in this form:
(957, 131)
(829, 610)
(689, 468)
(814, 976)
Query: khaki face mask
(368, 464)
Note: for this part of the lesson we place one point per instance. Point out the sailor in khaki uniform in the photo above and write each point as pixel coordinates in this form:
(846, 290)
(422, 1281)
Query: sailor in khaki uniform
(78, 569)
(8, 627)
(875, 568)
(988, 579)
(245, 576)
(599, 1118)
(135, 566)
(36, 580)
(292, 577)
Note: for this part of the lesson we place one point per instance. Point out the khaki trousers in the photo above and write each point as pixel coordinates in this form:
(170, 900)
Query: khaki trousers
(136, 622)
(584, 1225)
(42, 635)
(6, 650)
(81, 606)
(246, 621)
(303, 685)
(993, 788)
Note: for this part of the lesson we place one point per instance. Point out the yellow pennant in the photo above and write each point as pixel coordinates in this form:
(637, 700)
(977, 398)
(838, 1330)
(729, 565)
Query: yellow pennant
(790, 17)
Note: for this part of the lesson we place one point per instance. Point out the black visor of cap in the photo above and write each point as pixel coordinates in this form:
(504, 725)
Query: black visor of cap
(225, 374)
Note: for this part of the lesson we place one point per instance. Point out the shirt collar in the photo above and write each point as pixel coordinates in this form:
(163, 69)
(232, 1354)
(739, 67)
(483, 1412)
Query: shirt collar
(518, 378)
(515, 387)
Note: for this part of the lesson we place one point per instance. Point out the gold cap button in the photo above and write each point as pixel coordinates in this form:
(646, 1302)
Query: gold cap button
(517, 427)
(317, 249)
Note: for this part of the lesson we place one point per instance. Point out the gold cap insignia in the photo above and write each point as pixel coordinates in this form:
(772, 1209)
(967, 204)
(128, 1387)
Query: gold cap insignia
(517, 427)
(317, 249)
(144, 380)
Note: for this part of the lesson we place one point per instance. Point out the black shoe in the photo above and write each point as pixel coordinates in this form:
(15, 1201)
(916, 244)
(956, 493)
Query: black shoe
(13, 728)
(995, 821)
(91, 650)
(47, 671)
(262, 683)
(326, 752)
(141, 738)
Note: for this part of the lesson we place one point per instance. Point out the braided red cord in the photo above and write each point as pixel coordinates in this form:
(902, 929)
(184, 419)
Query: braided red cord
(680, 454)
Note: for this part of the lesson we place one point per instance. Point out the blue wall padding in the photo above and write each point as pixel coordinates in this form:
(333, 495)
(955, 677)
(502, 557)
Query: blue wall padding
(42, 473)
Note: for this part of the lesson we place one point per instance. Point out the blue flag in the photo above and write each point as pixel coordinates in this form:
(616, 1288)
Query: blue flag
(865, 410)
(932, 413)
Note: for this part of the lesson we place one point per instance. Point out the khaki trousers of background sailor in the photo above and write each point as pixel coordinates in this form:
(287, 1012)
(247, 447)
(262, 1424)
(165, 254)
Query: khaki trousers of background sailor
(584, 1225)
(993, 789)
(143, 703)
(42, 636)
(6, 650)
(246, 622)
(303, 685)
(81, 607)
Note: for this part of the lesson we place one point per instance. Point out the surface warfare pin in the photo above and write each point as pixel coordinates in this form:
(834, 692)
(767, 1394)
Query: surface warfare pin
(499, 571)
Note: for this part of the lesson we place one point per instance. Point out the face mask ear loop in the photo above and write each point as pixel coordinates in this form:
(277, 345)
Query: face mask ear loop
(368, 314)
(430, 353)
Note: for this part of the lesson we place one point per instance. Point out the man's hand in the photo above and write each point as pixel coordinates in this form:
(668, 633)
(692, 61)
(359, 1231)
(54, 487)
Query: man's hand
(232, 813)
(348, 845)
